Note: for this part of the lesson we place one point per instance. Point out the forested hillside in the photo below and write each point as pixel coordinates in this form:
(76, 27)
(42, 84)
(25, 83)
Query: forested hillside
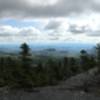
(28, 71)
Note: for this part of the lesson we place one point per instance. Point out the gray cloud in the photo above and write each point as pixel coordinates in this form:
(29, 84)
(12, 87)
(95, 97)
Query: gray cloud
(5, 34)
(74, 29)
(52, 25)
(94, 33)
(20, 8)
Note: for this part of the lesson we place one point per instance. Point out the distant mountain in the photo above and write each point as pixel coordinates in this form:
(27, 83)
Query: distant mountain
(59, 49)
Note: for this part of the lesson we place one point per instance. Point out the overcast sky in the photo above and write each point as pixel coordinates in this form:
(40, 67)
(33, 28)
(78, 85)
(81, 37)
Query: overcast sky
(50, 21)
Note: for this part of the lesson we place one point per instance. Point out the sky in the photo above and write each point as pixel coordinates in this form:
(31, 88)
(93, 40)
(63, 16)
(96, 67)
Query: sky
(45, 21)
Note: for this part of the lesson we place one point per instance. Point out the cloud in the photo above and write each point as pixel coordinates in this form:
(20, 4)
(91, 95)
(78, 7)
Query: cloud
(84, 30)
(31, 34)
(52, 25)
(75, 29)
(93, 33)
(42, 8)
(9, 34)
(10, 31)
(96, 5)
(6, 31)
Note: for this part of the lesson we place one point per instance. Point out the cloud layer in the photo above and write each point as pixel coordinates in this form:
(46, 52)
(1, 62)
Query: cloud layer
(56, 20)
(46, 8)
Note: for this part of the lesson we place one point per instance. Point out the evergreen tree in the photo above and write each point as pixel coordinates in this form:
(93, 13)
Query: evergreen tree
(73, 65)
(25, 55)
(98, 55)
(26, 80)
(84, 57)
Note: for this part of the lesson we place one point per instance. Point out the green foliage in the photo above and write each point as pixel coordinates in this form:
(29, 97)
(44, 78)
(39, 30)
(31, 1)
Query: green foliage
(24, 71)
(86, 61)
(74, 67)
(98, 55)
(25, 49)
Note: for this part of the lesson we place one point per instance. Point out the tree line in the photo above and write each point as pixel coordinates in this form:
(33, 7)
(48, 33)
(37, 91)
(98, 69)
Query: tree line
(21, 72)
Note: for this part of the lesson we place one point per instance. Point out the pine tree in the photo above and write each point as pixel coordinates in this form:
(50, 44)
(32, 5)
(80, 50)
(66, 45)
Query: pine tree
(25, 55)
(98, 55)
(84, 57)
(26, 59)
